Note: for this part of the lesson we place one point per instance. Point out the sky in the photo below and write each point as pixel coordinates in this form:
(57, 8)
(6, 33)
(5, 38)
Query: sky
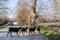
(47, 9)
(12, 4)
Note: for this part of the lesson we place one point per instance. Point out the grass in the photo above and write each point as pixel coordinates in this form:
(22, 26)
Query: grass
(3, 26)
(50, 34)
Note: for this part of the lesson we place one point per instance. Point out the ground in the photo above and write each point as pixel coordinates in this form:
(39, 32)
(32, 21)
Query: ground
(31, 37)
(3, 33)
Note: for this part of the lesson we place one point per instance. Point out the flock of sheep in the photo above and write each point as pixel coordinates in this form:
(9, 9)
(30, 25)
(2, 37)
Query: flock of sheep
(23, 30)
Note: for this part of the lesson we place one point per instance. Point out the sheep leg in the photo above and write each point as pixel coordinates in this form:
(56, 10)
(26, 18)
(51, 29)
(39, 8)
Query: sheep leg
(11, 34)
(23, 33)
(33, 32)
(17, 34)
(7, 34)
(30, 32)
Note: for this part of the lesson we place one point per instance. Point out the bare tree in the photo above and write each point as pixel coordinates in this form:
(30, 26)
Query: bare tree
(49, 10)
(32, 11)
(57, 10)
(22, 14)
(34, 6)
(3, 8)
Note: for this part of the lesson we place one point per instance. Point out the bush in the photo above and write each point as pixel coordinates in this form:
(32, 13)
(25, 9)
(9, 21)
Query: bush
(50, 32)
(5, 22)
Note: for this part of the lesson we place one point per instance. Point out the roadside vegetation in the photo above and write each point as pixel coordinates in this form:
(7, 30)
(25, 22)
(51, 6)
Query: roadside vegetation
(4, 25)
(51, 31)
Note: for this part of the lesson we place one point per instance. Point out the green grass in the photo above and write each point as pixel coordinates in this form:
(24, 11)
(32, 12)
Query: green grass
(3, 26)
(50, 34)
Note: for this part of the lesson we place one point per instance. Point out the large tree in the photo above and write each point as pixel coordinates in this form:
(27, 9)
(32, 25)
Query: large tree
(22, 11)
(33, 11)
(22, 14)
(47, 8)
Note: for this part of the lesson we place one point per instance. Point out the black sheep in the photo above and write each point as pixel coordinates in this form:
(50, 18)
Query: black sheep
(38, 29)
(23, 30)
(32, 29)
(13, 29)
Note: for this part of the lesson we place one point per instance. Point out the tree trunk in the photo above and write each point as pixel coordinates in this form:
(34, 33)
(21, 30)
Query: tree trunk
(33, 12)
(34, 6)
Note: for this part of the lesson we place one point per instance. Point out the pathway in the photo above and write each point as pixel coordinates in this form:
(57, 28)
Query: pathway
(3, 33)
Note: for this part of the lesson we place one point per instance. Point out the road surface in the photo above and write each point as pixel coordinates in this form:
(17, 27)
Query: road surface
(3, 33)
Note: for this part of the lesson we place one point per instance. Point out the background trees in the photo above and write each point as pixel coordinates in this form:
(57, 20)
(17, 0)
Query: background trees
(3, 8)
(46, 9)
(23, 14)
